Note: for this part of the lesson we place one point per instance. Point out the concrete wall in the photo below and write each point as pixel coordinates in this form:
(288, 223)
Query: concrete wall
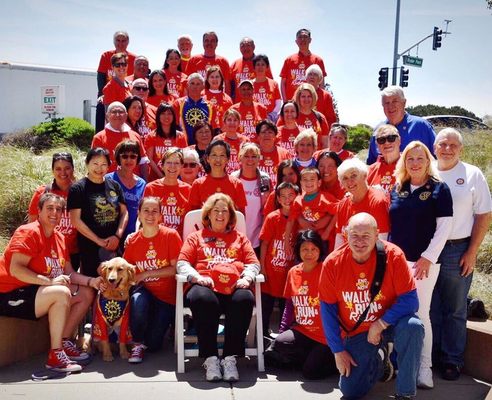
(20, 102)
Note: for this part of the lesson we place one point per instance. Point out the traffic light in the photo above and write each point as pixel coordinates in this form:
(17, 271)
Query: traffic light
(403, 77)
(436, 38)
(383, 78)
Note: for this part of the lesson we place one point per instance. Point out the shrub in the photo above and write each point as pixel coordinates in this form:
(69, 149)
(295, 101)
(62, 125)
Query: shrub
(358, 137)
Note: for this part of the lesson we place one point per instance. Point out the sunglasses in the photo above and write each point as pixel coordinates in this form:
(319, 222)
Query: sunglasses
(128, 156)
(118, 65)
(140, 88)
(389, 138)
(190, 165)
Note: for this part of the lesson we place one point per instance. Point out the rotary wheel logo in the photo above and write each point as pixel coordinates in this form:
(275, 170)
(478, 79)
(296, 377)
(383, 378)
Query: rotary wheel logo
(113, 311)
(194, 116)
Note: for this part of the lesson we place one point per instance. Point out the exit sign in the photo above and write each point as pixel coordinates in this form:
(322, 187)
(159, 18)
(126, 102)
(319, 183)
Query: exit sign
(413, 61)
(52, 99)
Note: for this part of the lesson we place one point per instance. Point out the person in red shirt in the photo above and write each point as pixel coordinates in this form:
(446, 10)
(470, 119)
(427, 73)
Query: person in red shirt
(140, 88)
(235, 140)
(185, 45)
(154, 251)
(37, 279)
(158, 89)
(214, 91)
(251, 112)
(176, 78)
(288, 128)
(301, 341)
(172, 192)
(352, 174)
(217, 180)
(271, 155)
(361, 348)
(135, 115)
(336, 140)
(117, 89)
(115, 132)
(243, 67)
(141, 69)
(293, 71)
(203, 133)
(327, 164)
(381, 173)
(287, 171)
(305, 144)
(201, 62)
(314, 76)
(266, 90)
(308, 118)
(164, 137)
(275, 263)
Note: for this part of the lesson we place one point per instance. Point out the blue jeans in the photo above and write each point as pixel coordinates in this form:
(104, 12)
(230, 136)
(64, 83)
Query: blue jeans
(150, 318)
(408, 335)
(449, 306)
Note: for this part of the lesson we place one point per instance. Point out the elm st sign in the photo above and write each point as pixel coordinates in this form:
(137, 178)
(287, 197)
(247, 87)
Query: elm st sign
(413, 61)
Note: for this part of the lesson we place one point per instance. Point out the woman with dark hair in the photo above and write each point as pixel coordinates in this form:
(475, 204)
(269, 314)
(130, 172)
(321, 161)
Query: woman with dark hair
(117, 89)
(203, 133)
(288, 130)
(158, 90)
(287, 171)
(176, 79)
(266, 90)
(128, 156)
(62, 168)
(165, 136)
(98, 212)
(135, 115)
(327, 164)
(301, 341)
(217, 156)
(214, 91)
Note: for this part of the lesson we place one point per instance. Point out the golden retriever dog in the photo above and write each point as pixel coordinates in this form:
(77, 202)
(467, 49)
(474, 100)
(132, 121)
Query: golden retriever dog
(112, 307)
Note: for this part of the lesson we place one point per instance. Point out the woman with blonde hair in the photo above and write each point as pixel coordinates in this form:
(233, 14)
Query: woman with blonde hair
(421, 212)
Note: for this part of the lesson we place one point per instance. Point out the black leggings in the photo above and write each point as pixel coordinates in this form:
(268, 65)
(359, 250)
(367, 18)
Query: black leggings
(267, 304)
(207, 306)
(293, 349)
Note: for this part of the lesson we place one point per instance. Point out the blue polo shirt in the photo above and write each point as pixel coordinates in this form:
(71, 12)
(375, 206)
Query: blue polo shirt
(410, 128)
(413, 216)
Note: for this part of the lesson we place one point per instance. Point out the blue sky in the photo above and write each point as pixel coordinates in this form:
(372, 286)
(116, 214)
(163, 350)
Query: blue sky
(355, 38)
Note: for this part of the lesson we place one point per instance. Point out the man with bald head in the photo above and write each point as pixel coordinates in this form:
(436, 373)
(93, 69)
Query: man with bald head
(358, 325)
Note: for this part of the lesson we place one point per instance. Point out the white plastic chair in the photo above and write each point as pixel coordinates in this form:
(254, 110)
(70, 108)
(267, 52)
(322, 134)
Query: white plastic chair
(193, 222)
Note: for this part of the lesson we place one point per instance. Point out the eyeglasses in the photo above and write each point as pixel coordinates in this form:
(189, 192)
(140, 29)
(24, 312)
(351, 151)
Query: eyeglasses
(140, 88)
(121, 64)
(190, 165)
(128, 156)
(389, 138)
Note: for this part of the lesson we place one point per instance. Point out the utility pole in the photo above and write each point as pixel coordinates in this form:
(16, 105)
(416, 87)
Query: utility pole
(395, 49)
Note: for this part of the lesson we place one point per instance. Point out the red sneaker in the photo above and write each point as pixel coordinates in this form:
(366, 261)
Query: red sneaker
(137, 353)
(59, 361)
(73, 352)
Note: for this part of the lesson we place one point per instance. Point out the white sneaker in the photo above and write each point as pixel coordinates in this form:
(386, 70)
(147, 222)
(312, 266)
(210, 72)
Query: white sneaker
(212, 366)
(424, 379)
(230, 369)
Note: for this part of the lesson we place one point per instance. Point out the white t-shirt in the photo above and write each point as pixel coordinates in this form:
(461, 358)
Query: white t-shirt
(471, 195)
(253, 210)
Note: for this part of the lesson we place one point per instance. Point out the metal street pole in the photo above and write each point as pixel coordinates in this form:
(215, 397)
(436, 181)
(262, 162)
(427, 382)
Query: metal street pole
(395, 51)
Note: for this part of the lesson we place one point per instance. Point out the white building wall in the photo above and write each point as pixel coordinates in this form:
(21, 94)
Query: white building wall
(20, 93)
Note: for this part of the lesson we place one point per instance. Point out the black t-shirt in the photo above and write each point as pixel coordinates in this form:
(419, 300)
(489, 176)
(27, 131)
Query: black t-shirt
(99, 204)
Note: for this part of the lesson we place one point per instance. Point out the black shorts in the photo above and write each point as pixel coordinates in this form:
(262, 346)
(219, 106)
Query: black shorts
(19, 303)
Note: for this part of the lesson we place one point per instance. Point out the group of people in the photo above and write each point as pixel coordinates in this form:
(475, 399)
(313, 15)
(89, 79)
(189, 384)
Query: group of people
(360, 259)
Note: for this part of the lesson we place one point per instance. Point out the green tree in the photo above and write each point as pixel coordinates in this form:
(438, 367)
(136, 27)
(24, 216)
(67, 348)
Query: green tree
(432, 109)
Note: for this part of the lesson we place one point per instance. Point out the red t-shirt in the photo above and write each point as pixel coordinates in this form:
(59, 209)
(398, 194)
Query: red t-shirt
(48, 255)
(325, 106)
(109, 139)
(174, 201)
(266, 93)
(294, 71)
(199, 63)
(65, 226)
(313, 210)
(235, 144)
(250, 116)
(269, 162)
(270, 204)
(342, 155)
(320, 126)
(381, 173)
(277, 264)
(176, 83)
(205, 248)
(346, 283)
(302, 288)
(115, 91)
(156, 100)
(375, 202)
(105, 63)
(221, 101)
(242, 69)
(207, 185)
(335, 190)
(286, 137)
(154, 253)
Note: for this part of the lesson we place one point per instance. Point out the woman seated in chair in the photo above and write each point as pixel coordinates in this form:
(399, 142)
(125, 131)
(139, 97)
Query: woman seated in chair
(220, 265)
